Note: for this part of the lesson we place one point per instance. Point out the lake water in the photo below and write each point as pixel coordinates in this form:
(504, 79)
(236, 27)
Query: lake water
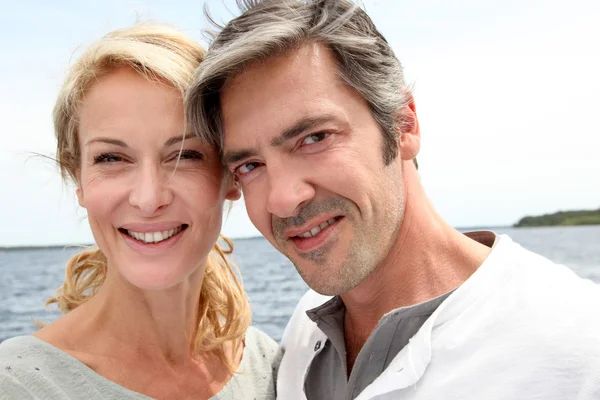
(29, 277)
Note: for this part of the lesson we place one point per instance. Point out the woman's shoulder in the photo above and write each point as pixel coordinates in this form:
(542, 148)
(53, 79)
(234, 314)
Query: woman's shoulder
(24, 365)
(261, 352)
(257, 341)
(22, 351)
(255, 376)
(31, 368)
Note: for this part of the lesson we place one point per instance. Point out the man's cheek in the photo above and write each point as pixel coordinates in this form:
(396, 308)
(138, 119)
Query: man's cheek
(259, 215)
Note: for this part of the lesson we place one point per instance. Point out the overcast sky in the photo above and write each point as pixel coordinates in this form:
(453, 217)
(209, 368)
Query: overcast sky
(507, 95)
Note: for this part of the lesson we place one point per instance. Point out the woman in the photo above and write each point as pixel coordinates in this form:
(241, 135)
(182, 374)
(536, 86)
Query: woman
(155, 311)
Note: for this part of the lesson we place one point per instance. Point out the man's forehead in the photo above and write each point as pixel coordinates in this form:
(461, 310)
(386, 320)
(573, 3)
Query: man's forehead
(269, 97)
(279, 77)
(294, 61)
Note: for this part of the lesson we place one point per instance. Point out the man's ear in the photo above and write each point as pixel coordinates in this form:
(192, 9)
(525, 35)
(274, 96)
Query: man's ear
(409, 130)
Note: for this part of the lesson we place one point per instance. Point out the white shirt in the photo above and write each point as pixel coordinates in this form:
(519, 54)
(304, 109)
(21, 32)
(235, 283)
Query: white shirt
(521, 327)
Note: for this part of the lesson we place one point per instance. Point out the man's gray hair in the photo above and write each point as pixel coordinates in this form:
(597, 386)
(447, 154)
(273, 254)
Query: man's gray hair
(267, 28)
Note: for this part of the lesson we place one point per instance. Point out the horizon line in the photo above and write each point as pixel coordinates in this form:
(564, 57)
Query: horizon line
(56, 246)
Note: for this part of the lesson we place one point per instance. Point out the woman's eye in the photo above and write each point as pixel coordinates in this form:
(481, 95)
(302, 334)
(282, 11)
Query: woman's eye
(315, 138)
(189, 155)
(107, 158)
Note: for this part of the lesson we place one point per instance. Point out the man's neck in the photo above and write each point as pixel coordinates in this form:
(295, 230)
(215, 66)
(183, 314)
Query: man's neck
(428, 259)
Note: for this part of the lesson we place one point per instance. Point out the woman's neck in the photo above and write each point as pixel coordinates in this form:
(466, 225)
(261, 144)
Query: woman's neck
(123, 321)
(143, 341)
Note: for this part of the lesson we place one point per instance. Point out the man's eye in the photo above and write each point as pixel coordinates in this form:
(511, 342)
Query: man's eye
(315, 138)
(246, 168)
(107, 158)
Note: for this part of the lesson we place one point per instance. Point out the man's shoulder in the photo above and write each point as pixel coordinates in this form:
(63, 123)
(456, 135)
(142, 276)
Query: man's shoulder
(540, 302)
(541, 277)
(535, 275)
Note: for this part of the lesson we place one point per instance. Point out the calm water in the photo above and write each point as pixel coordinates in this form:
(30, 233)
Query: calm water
(29, 276)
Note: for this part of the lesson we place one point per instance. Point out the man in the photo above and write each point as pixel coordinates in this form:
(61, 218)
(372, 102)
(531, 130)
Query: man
(309, 106)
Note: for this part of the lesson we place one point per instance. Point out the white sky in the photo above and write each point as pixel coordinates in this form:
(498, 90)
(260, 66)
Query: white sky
(507, 94)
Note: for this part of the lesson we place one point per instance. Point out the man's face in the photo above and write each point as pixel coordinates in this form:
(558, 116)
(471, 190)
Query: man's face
(308, 154)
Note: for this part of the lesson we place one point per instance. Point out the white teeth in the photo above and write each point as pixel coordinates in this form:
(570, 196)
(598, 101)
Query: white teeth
(154, 237)
(316, 229)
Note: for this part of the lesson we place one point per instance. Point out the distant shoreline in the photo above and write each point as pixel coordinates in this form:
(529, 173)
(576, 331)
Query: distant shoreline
(46, 247)
(462, 229)
(64, 246)
(561, 218)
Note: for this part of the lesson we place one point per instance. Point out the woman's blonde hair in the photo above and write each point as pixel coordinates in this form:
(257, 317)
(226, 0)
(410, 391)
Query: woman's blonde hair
(158, 53)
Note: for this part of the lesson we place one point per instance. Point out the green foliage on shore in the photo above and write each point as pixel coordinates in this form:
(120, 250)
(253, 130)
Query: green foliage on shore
(562, 218)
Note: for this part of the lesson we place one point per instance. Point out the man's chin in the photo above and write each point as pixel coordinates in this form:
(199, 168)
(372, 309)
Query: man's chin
(320, 282)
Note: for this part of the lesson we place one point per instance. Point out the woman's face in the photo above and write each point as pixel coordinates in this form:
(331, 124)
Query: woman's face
(154, 198)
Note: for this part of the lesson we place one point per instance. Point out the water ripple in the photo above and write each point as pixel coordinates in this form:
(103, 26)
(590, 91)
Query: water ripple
(274, 287)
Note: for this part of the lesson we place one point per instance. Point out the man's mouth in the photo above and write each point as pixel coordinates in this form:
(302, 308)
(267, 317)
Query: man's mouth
(153, 237)
(317, 229)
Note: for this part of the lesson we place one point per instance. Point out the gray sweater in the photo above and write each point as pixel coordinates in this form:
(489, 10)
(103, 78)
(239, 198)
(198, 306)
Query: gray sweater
(33, 369)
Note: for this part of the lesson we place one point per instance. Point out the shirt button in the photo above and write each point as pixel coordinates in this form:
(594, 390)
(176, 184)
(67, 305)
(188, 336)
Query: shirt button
(317, 345)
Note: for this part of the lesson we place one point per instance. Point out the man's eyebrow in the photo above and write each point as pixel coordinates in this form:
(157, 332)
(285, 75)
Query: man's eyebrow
(299, 127)
(232, 157)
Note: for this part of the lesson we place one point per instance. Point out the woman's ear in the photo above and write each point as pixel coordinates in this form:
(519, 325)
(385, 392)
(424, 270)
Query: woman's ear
(234, 192)
(79, 190)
